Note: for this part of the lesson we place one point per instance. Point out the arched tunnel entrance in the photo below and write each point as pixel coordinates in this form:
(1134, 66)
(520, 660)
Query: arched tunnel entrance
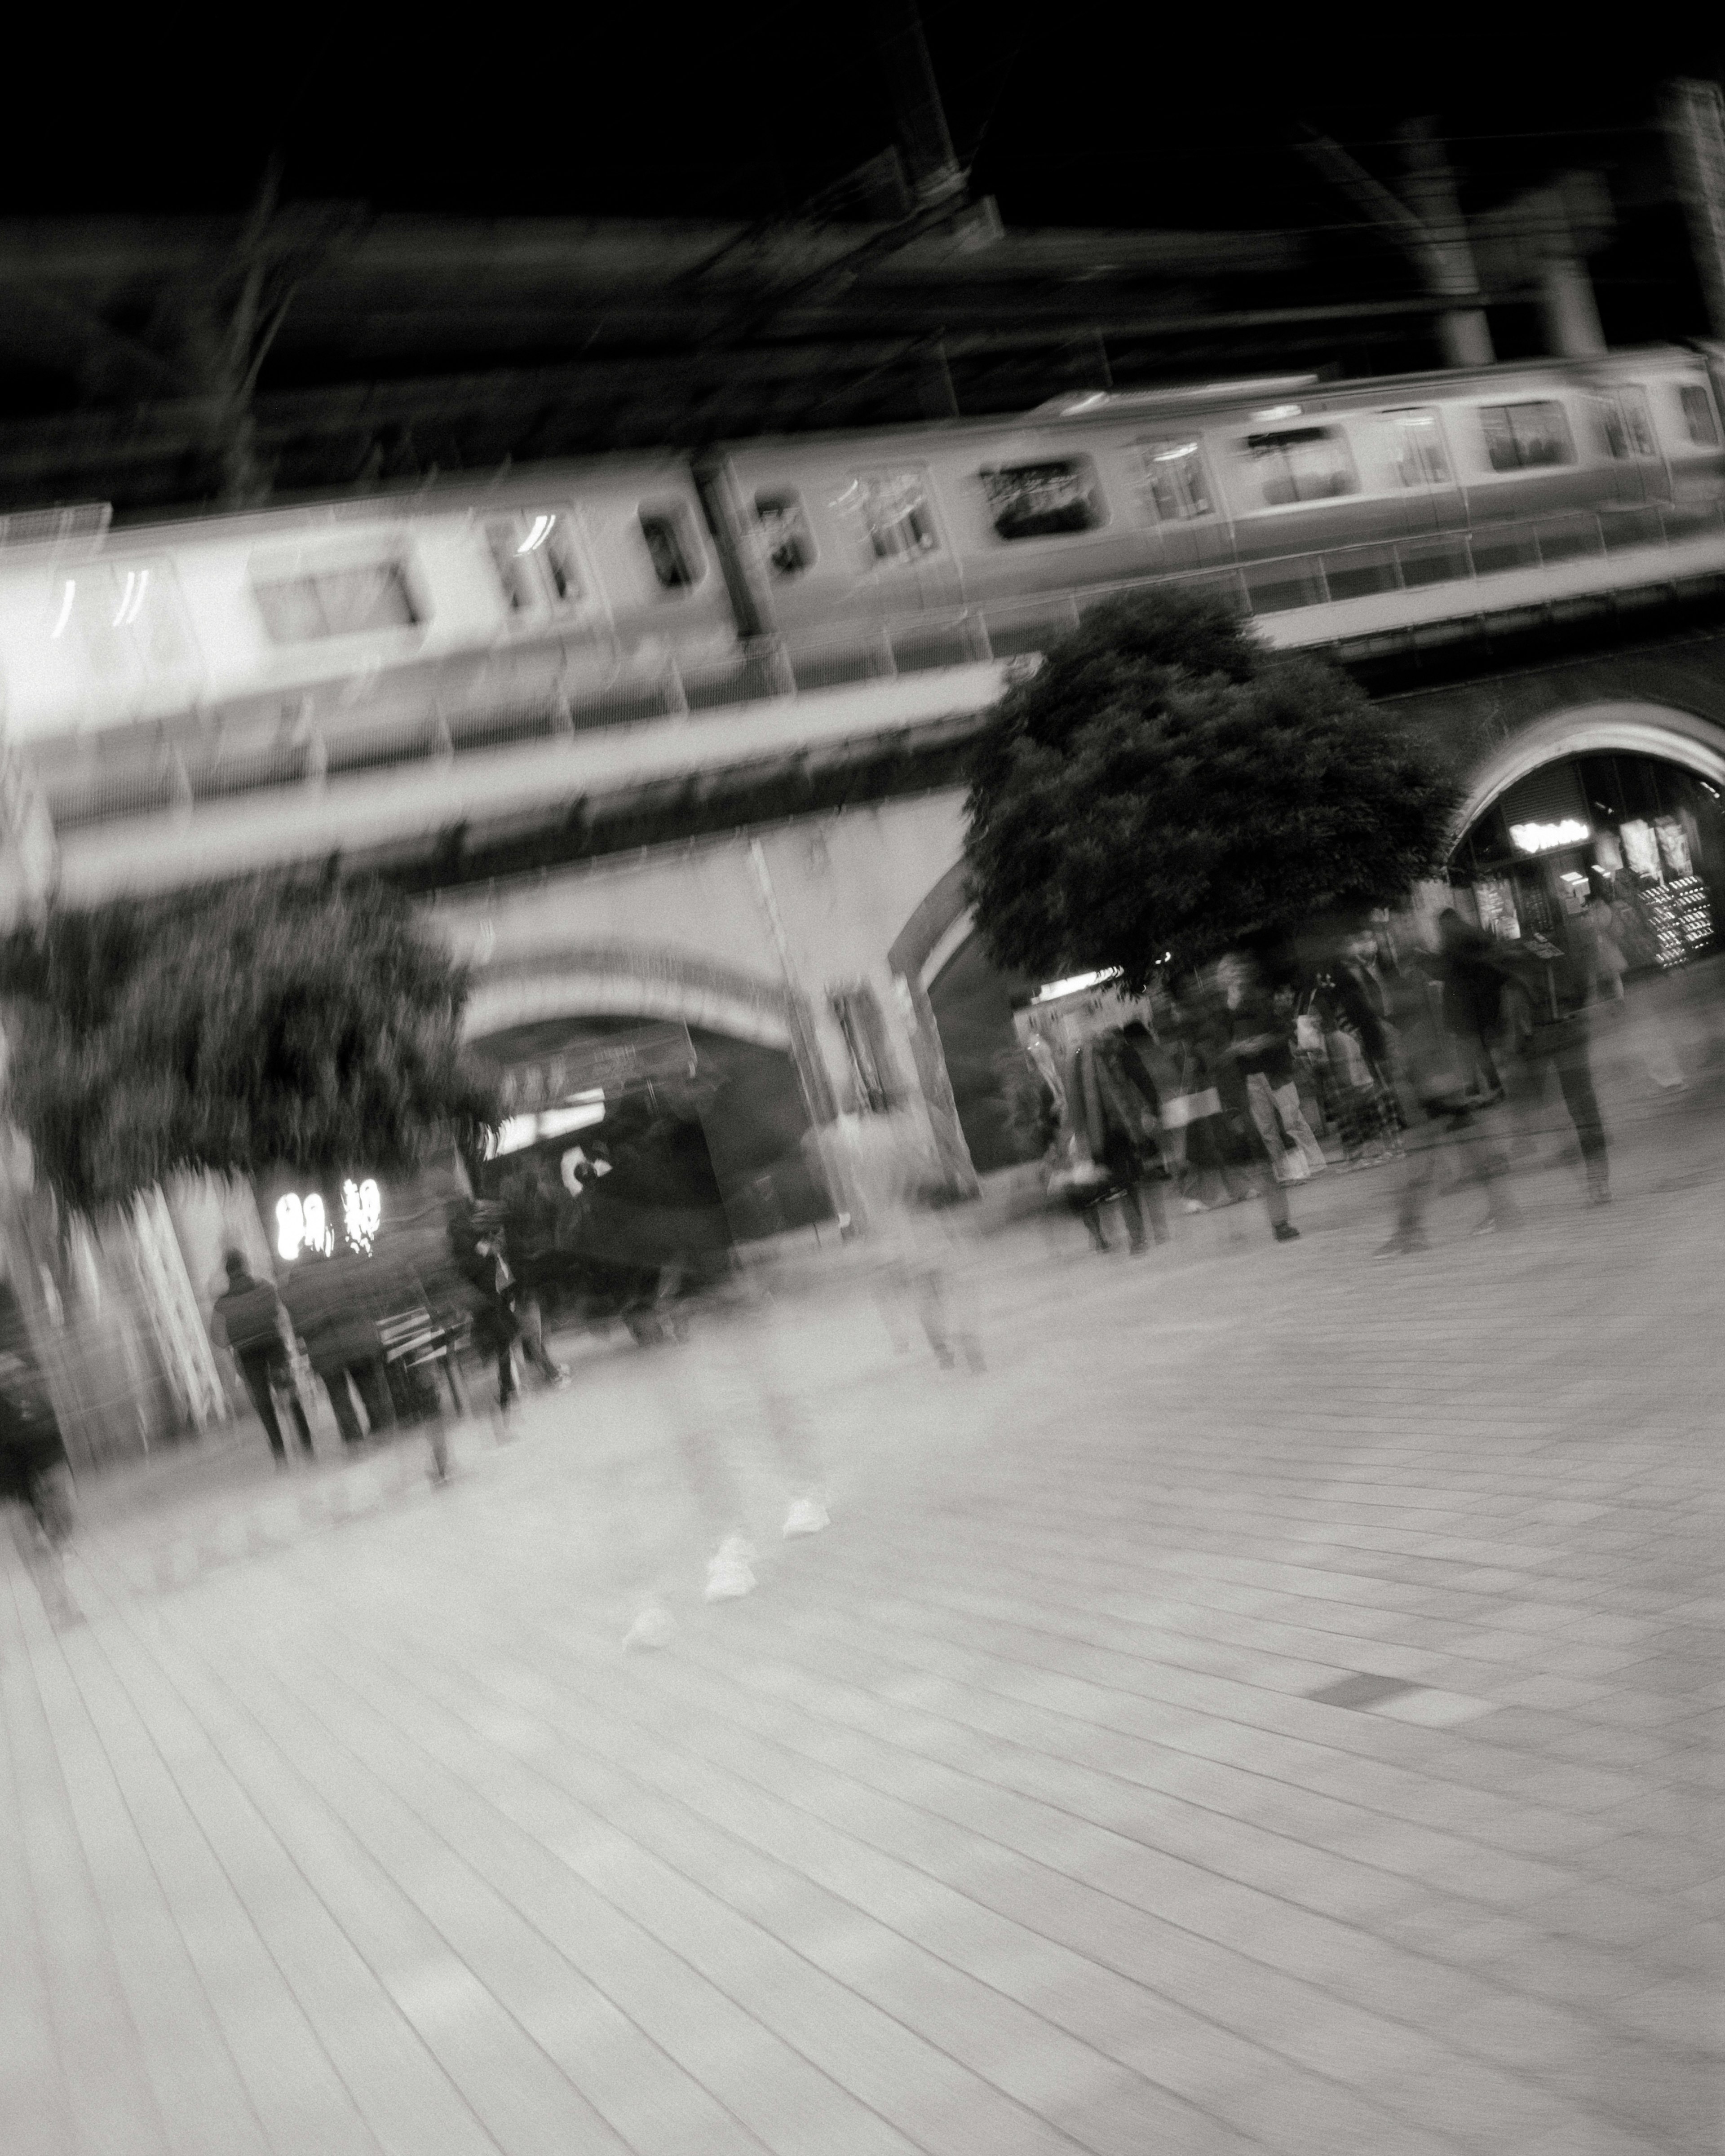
(1621, 843)
(1609, 821)
(635, 1146)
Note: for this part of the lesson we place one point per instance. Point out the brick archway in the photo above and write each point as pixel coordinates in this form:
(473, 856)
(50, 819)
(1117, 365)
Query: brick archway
(1675, 737)
(615, 980)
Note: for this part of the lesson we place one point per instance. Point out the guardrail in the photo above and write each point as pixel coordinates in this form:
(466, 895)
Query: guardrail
(773, 668)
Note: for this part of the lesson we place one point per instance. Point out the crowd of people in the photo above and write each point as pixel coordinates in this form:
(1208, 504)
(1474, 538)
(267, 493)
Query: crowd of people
(1401, 1052)
(1212, 1092)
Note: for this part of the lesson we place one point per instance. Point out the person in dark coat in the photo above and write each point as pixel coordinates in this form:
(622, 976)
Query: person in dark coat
(1244, 1033)
(335, 1309)
(1473, 978)
(496, 1323)
(250, 1319)
(1116, 1106)
(33, 1467)
(1547, 1034)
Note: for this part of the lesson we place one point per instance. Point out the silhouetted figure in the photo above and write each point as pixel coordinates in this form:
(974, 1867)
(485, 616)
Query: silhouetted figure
(249, 1317)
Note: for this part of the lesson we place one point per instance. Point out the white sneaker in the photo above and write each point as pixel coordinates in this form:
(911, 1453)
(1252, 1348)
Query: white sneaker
(729, 1574)
(653, 1628)
(806, 1516)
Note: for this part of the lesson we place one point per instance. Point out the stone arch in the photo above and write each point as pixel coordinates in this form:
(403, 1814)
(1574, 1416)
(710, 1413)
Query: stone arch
(939, 925)
(1676, 736)
(619, 980)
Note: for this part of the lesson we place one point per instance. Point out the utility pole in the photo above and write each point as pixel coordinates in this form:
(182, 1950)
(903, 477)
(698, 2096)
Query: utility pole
(934, 171)
(1432, 234)
(1695, 128)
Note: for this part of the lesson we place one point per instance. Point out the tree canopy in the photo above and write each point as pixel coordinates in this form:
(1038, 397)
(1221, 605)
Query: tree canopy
(1166, 786)
(260, 1025)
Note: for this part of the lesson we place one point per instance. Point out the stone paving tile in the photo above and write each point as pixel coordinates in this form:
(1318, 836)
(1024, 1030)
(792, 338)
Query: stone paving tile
(1002, 1817)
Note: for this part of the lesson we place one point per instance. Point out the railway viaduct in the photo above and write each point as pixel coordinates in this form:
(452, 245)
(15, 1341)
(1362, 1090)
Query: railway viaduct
(787, 874)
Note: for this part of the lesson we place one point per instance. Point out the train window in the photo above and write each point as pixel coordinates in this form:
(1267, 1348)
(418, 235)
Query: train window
(1302, 464)
(1637, 425)
(1608, 426)
(1520, 436)
(671, 547)
(124, 615)
(1700, 422)
(535, 559)
(897, 515)
(1418, 448)
(1171, 483)
(1042, 500)
(784, 532)
(342, 603)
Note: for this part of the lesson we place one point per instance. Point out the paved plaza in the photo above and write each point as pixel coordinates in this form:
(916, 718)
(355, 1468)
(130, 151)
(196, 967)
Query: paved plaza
(1275, 1706)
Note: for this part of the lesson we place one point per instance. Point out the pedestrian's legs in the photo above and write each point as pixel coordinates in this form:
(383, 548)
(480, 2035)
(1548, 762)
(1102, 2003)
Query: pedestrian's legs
(929, 1290)
(255, 1369)
(1575, 1076)
(1132, 1211)
(373, 1387)
(1155, 1206)
(1293, 1119)
(341, 1400)
(532, 1319)
(1262, 1103)
(282, 1374)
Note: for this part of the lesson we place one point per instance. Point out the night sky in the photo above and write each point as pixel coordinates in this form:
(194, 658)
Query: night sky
(1073, 115)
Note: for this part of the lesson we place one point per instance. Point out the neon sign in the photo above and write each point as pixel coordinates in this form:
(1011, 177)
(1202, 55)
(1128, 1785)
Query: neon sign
(302, 1222)
(1543, 838)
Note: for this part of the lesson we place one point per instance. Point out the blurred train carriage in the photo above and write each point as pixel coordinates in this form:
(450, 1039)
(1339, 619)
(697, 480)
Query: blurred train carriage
(231, 654)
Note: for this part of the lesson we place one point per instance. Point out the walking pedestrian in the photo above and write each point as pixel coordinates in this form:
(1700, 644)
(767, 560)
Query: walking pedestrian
(1474, 975)
(1354, 999)
(908, 1236)
(1262, 1038)
(497, 1324)
(335, 1309)
(248, 1319)
(1191, 1112)
(1241, 1040)
(1548, 1034)
(723, 1389)
(1448, 1127)
(1116, 1097)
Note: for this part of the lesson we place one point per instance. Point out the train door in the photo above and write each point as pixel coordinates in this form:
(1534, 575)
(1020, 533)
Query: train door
(1642, 475)
(1179, 501)
(908, 555)
(1425, 468)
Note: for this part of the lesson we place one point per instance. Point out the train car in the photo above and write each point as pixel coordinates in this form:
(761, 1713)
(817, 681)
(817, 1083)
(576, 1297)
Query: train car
(896, 530)
(228, 653)
(232, 640)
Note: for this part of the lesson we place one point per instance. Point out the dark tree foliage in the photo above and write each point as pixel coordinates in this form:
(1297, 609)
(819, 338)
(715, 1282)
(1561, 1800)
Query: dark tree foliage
(261, 1025)
(1166, 785)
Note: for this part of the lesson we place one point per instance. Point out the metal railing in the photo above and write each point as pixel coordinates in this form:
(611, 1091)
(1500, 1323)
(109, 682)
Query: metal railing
(771, 669)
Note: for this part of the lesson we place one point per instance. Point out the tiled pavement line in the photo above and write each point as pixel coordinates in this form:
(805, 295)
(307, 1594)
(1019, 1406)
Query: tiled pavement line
(220, 2036)
(349, 2071)
(790, 2104)
(624, 1799)
(941, 2013)
(1327, 2035)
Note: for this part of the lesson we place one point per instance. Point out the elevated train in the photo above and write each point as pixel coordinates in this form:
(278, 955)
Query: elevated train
(226, 654)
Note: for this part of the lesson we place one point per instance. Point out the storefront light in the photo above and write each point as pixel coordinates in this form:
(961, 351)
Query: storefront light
(1076, 986)
(1546, 837)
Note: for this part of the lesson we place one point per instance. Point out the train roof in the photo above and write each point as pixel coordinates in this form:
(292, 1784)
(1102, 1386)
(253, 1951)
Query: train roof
(1198, 400)
(49, 534)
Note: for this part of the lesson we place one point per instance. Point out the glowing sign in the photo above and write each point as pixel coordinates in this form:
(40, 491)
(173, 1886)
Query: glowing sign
(302, 1222)
(362, 1213)
(1076, 986)
(1542, 838)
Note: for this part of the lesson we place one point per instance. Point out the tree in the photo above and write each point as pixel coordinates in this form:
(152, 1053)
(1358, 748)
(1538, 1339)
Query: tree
(264, 1024)
(1167, 787)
